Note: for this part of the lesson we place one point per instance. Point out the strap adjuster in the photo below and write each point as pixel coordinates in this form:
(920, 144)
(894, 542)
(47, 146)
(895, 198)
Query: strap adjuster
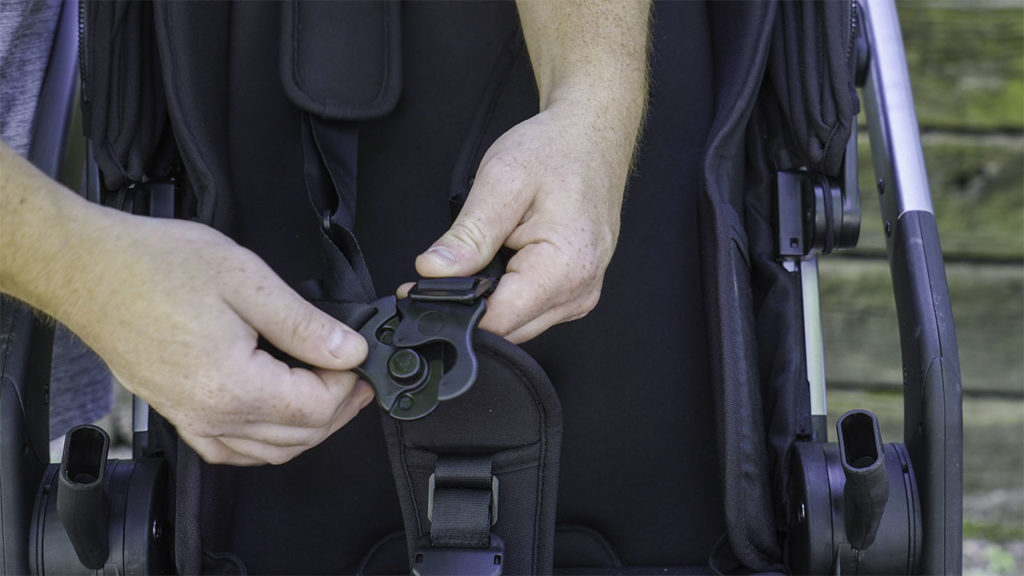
(462, 505)
(430, 561)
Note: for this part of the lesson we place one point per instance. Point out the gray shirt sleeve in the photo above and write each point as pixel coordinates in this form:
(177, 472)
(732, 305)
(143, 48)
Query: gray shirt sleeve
(80, 385)
(26, 35)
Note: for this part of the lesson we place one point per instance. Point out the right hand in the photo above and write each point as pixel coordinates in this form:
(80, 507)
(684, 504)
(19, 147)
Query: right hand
(175, 309)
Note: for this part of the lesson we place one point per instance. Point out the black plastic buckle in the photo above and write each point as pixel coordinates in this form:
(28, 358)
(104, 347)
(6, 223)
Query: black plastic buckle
(429, 561)
(421, 347)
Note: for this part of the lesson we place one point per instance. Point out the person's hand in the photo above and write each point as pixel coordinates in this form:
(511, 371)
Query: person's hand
(175, 309)
(184, 310)
(551, 190)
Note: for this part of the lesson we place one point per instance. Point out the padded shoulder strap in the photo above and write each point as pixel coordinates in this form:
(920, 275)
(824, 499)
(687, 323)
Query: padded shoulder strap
(482, 470)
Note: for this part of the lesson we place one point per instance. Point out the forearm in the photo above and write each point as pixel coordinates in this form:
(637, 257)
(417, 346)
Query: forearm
(175, 308)
(592, 54)
(551, 187)
(37, 253)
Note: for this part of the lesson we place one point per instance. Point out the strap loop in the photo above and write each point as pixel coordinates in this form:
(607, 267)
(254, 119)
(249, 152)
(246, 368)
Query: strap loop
(462, 502)
(462, 505)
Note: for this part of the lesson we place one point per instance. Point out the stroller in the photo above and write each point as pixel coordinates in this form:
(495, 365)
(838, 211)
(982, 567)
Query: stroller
(701, 446)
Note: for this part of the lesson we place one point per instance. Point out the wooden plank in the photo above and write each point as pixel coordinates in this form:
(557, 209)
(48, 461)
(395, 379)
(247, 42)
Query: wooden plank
(966, 63)
(860, 327)
(977, 185)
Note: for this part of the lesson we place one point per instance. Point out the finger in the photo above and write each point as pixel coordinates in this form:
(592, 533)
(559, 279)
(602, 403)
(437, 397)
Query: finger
(214, 451)
(274, 444)
(278, 434)
(295, 326)
(261, 452)
(496, 204)
(361, 397)
(540, 325)
(295, 397)
(404, 289)
(541, 288)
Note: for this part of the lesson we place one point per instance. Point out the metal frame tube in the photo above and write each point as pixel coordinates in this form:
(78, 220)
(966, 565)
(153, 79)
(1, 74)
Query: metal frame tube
(933, 414)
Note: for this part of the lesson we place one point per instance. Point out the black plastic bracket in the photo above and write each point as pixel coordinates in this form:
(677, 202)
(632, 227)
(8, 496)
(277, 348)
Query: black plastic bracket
(488, 561)
(421, 347)
(814, 215)
(853, 506)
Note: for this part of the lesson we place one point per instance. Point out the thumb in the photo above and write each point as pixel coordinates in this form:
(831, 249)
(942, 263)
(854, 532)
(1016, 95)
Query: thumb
(298, 328)
(489, 216)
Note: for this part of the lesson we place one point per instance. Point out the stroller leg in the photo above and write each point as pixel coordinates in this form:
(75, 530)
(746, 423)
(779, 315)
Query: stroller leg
(933, 419)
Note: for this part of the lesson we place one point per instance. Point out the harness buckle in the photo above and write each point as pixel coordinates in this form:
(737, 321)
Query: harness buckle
(421, 347)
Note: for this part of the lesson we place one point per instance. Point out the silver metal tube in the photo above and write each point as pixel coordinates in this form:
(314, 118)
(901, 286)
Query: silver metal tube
(813, 340)
(140, 415)
(895, 137)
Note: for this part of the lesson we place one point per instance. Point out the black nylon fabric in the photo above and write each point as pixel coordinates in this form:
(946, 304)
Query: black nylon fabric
(269, 173)
(637, 387)
(810, 70)
(633, 375)
(123, 108)
(803, 117)
(331, 151)
(777, 306)
(741, 34)
(342, 60)
(511, 414)
(639, 463)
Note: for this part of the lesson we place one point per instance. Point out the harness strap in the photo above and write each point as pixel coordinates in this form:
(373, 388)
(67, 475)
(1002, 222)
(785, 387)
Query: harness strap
(477, 479)
(461, 502)
(330, 153)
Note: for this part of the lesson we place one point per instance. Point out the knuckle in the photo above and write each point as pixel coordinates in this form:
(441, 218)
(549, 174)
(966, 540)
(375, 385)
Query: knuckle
(469, 233)
(500, 168)
(318, 420)
(305, 327)
(202, 427)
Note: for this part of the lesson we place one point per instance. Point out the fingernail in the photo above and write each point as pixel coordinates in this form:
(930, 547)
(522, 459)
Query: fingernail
(336, 343)
(442, 255)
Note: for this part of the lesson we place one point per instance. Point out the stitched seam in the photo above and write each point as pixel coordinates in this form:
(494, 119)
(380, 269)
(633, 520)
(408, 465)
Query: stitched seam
(408, 480)
(542, 465)
(387, 53)
(373, 551)
(503, 469)
(296, 74)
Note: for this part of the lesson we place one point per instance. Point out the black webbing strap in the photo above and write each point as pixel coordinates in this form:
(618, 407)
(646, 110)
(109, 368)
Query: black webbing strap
(462, 499)
(330, 152)
(462, 504)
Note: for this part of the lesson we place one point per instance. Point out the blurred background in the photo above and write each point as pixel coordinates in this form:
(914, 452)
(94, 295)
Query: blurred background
(966, 61)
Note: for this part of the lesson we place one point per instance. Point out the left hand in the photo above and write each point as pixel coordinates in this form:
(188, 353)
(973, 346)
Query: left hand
(551, 190)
